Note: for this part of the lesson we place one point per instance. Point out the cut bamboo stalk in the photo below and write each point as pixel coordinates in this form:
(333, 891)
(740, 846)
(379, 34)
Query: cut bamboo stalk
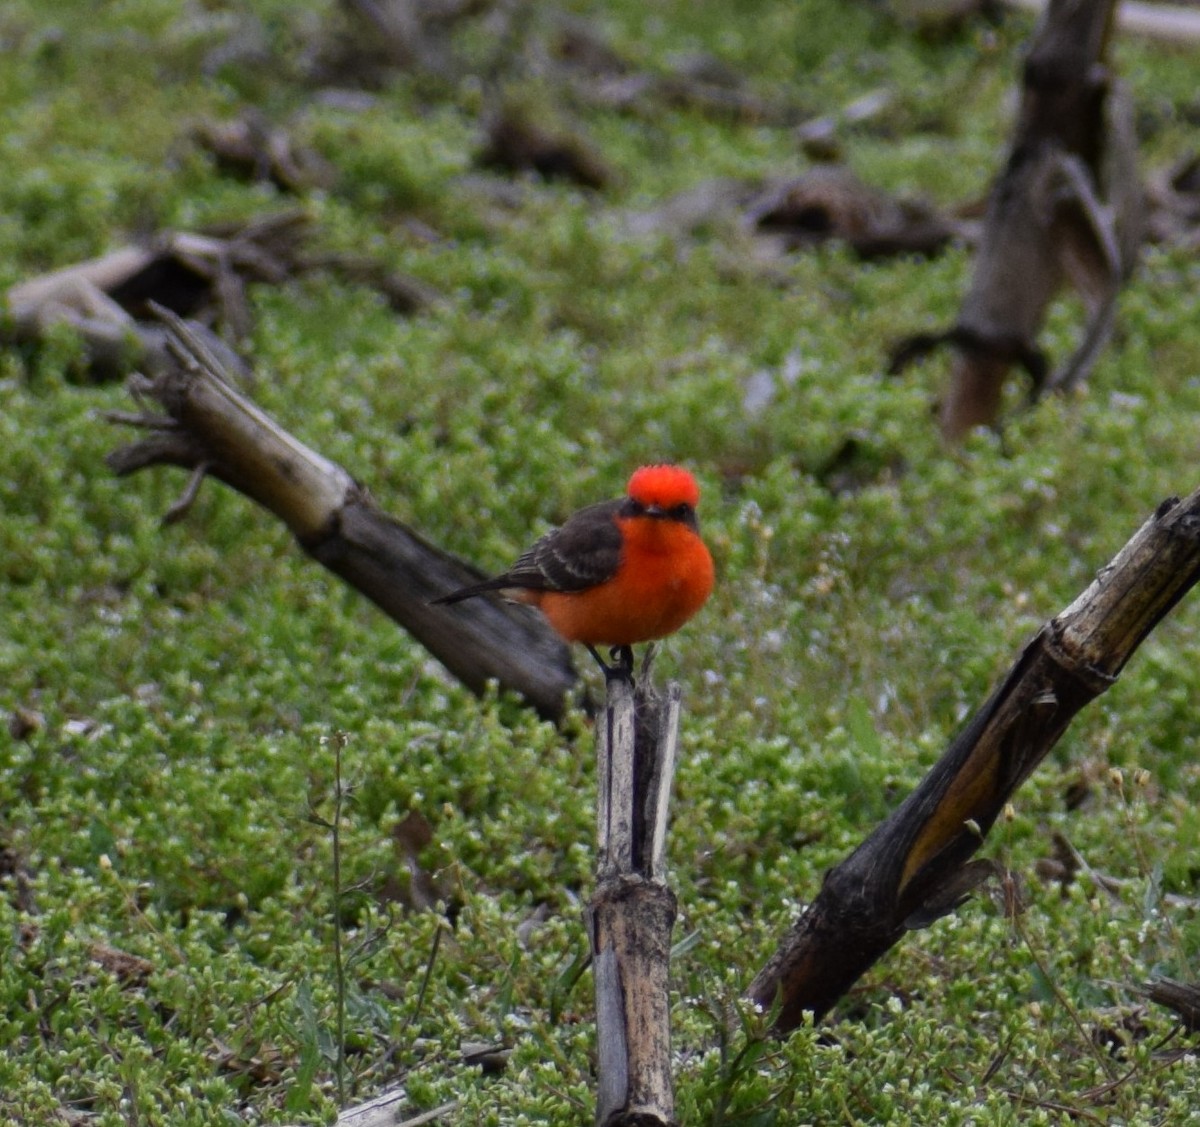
(915, 866)
(631, 915)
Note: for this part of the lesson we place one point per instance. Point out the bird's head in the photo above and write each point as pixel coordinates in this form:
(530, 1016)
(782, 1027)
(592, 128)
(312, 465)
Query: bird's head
(664, 491)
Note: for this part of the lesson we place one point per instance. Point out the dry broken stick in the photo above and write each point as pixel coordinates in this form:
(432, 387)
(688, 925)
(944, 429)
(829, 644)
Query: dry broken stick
(632, 912)
(824, 204)
(80, 296)
(516, 142)
(911, 869)
(250, 147)
(106, 300)
(1065, 209)
(214, 431)
(203, 275)
(1173, 199)
(1181, 997)
(831, 202)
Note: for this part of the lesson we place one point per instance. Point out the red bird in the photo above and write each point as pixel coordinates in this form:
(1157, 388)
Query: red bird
(618, 572)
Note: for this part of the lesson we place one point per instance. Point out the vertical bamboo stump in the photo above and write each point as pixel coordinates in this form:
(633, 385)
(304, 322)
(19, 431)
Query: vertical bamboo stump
(631, 915)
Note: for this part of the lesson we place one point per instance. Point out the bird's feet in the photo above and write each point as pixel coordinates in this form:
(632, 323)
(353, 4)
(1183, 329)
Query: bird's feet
(622, 663)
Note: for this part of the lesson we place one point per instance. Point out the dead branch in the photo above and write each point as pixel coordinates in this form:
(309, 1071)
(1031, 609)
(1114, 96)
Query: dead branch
(1173, 23)
(384, 1111)
(203, 276)
(397, 29)
(831, 202)
(106, 300)
(251, 148)
(1065, 209)
(789, 213)
(127, 969)
(906, 872)
(1181, 997)
(631, 915)
(403, 293)
(214, 429)
(516, 142)
(1173, 198)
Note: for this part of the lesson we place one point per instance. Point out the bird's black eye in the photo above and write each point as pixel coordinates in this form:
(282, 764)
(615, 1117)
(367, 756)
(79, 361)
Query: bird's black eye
(681, 511)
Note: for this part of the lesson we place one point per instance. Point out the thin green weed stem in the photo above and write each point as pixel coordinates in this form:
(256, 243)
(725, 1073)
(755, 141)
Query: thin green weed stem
(339, 966)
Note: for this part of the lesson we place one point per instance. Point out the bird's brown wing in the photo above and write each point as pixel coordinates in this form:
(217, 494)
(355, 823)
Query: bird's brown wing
(583, 553)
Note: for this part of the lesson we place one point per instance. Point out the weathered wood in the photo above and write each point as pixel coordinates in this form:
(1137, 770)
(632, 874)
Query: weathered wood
(631, 922)
(1181, 997)
(1065, 209)
(252, 147)
(107, 300)
(384, 1111)
(658, 798)
(631, 915)
(616, 737)
(907, 871)
(1172, 23)
(212, 427)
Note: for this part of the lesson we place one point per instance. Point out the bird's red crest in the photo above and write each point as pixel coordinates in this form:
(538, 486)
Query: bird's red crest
(665, 486)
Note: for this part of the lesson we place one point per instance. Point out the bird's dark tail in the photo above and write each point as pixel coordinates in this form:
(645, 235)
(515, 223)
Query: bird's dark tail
(470, 592)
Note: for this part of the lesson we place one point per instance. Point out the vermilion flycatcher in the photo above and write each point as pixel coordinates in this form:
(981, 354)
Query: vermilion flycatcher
(618, 572)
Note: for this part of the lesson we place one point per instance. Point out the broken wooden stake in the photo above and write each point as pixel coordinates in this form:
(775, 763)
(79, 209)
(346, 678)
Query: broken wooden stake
(632, 912)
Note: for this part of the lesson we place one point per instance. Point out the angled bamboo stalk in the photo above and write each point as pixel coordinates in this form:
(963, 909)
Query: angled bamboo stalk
(915, 866)
(212, 429)
(632, 912)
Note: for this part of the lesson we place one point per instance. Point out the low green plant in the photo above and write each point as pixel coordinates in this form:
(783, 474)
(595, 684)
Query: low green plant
(182, 699)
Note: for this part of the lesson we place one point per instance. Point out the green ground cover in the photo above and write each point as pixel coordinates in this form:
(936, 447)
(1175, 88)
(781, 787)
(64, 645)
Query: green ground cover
(187, 688)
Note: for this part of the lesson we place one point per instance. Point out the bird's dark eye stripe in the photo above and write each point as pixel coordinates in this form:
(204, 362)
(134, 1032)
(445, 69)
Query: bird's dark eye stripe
(682, 511)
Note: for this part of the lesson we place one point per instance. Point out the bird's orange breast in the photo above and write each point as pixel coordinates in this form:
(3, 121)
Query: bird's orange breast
(664, 577)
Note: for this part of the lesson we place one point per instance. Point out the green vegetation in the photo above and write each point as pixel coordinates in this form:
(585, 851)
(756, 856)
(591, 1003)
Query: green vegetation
(179, 693)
